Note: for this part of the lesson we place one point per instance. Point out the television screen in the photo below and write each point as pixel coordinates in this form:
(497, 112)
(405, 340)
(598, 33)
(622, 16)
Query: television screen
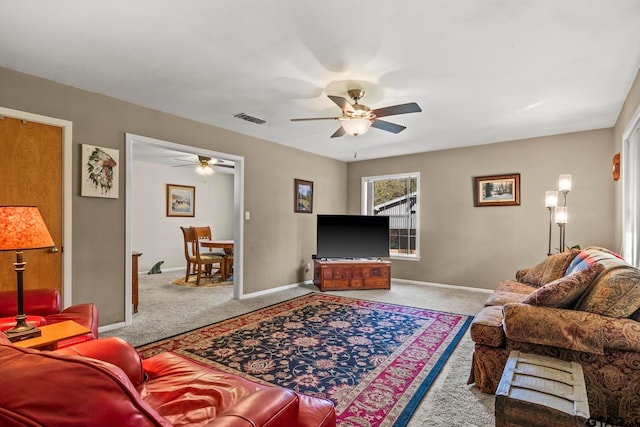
(352, 236)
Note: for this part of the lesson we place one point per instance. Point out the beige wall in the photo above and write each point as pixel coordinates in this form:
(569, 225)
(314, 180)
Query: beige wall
(158, 236)
(478, 246)
(461, 244)
(278, 242)
(631, 104)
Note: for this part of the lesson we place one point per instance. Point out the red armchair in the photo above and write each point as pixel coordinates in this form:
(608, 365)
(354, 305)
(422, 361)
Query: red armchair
(105, 383)
(42, 307)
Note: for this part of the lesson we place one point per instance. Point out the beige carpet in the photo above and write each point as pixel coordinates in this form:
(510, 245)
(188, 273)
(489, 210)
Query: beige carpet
(166, 310)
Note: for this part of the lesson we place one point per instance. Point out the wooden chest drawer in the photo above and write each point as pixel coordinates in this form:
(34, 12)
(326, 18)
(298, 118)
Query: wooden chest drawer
(336, 284)
(376, 283)
(357, 283)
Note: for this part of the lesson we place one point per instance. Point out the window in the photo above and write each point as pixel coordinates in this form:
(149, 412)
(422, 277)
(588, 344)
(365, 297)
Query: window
(395, 196)
(631, 192)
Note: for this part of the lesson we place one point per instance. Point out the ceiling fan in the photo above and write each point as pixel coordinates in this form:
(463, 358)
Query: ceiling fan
(204, 165)
(357, 118)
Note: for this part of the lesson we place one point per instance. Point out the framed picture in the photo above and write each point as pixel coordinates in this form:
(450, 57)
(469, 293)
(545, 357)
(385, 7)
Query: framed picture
(181, 200)
(496, 190)
(302, 196)
(100, 172)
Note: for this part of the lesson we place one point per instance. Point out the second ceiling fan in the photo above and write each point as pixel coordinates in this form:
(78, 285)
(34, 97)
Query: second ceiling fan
(357, 118)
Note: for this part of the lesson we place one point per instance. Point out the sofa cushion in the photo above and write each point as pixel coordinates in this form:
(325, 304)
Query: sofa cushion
(565, 291)
(187, 393)
(553, 328)
(500, 298)
(486, 327)
(615, 293)
(516, 287)
(37, 302)
(46, 389)
(552, 268)
(113, 350)
(10, 322)
(594, 254)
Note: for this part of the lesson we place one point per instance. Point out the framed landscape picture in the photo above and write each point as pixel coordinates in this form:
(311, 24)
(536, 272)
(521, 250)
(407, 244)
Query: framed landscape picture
(303, 196)
(496, 190)
(181, 200)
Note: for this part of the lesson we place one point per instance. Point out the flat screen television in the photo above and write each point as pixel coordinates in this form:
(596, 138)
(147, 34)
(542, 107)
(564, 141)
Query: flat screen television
(352, 236)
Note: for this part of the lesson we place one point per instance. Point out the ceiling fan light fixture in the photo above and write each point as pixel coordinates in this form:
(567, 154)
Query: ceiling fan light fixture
(204, 168)
(356, 127)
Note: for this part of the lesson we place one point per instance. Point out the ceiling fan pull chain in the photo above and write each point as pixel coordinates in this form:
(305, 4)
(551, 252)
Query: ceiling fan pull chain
(355, 147)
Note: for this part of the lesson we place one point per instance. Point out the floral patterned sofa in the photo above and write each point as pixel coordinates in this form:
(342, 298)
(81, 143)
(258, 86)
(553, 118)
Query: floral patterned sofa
(578, 305)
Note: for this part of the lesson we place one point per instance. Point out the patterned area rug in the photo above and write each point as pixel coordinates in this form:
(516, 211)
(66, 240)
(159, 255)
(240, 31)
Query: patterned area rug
(375, 361)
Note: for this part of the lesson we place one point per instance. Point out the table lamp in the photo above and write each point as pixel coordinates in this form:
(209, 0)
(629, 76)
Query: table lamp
(22, 228)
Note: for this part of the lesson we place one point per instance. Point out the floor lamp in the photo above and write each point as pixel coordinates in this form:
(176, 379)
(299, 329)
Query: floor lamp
(22, 228)
(551, 201)
(561, 220)
(564, 187)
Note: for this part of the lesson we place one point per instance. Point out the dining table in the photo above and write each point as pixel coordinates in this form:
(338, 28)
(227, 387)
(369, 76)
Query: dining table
(224, 244)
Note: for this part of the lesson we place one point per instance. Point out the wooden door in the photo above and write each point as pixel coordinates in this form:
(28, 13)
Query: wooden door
(31, 174)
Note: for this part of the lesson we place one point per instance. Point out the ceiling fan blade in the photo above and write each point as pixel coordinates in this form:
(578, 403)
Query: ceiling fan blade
(338, 133)
(222, 165)
(342, 103)
(315, 118)
(411, 107)
(388, 126)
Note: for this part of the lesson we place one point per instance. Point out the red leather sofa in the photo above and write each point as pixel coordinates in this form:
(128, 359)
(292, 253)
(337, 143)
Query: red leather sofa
(42, 307)
(105, 383)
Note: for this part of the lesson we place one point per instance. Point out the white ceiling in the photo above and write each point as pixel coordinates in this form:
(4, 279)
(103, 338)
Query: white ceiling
(482, 70)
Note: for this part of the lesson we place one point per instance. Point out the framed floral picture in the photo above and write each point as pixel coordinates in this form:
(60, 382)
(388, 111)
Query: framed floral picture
(181, 200)
(302, 196)
(496, 190)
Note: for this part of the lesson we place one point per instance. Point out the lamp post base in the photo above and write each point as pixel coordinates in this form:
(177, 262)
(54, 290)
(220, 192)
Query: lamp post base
(22, 330)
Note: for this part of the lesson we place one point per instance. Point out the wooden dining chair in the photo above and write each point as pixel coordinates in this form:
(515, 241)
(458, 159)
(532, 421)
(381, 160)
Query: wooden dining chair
(204, 233)
(200, 262)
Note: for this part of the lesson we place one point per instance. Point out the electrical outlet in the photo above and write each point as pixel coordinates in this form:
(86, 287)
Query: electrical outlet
(247, 215)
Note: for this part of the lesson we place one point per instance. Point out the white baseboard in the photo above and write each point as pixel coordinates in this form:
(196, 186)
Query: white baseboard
(164, 270)
(278, 289)
(441, 285)
(110, 327)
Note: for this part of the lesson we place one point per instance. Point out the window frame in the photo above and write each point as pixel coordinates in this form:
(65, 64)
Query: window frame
(366, 196)
(631, 191)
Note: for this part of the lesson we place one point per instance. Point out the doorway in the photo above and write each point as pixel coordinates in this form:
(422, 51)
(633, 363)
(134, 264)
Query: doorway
(131, 142)
(65, 192)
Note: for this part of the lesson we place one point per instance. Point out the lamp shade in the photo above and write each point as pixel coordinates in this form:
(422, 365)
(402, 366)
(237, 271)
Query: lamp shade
(21, 228)
(564, 183)
(551, 199)
(204, 169)
(561, 215)
(356, 127)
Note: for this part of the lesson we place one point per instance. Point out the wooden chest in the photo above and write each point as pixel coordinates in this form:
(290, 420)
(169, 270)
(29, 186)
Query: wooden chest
(541, 391)
(339, 275)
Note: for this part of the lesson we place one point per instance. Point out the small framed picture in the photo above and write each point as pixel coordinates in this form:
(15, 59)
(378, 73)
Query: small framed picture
(302, 196)
(100, 172)
(181, 200)
(496, 190)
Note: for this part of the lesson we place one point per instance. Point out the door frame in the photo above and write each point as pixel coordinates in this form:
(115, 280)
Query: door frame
(67, 189)
(238, 209)
(631, 192)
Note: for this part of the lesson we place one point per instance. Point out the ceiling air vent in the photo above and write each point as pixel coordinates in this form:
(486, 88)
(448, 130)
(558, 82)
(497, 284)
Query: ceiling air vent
(249, 118)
